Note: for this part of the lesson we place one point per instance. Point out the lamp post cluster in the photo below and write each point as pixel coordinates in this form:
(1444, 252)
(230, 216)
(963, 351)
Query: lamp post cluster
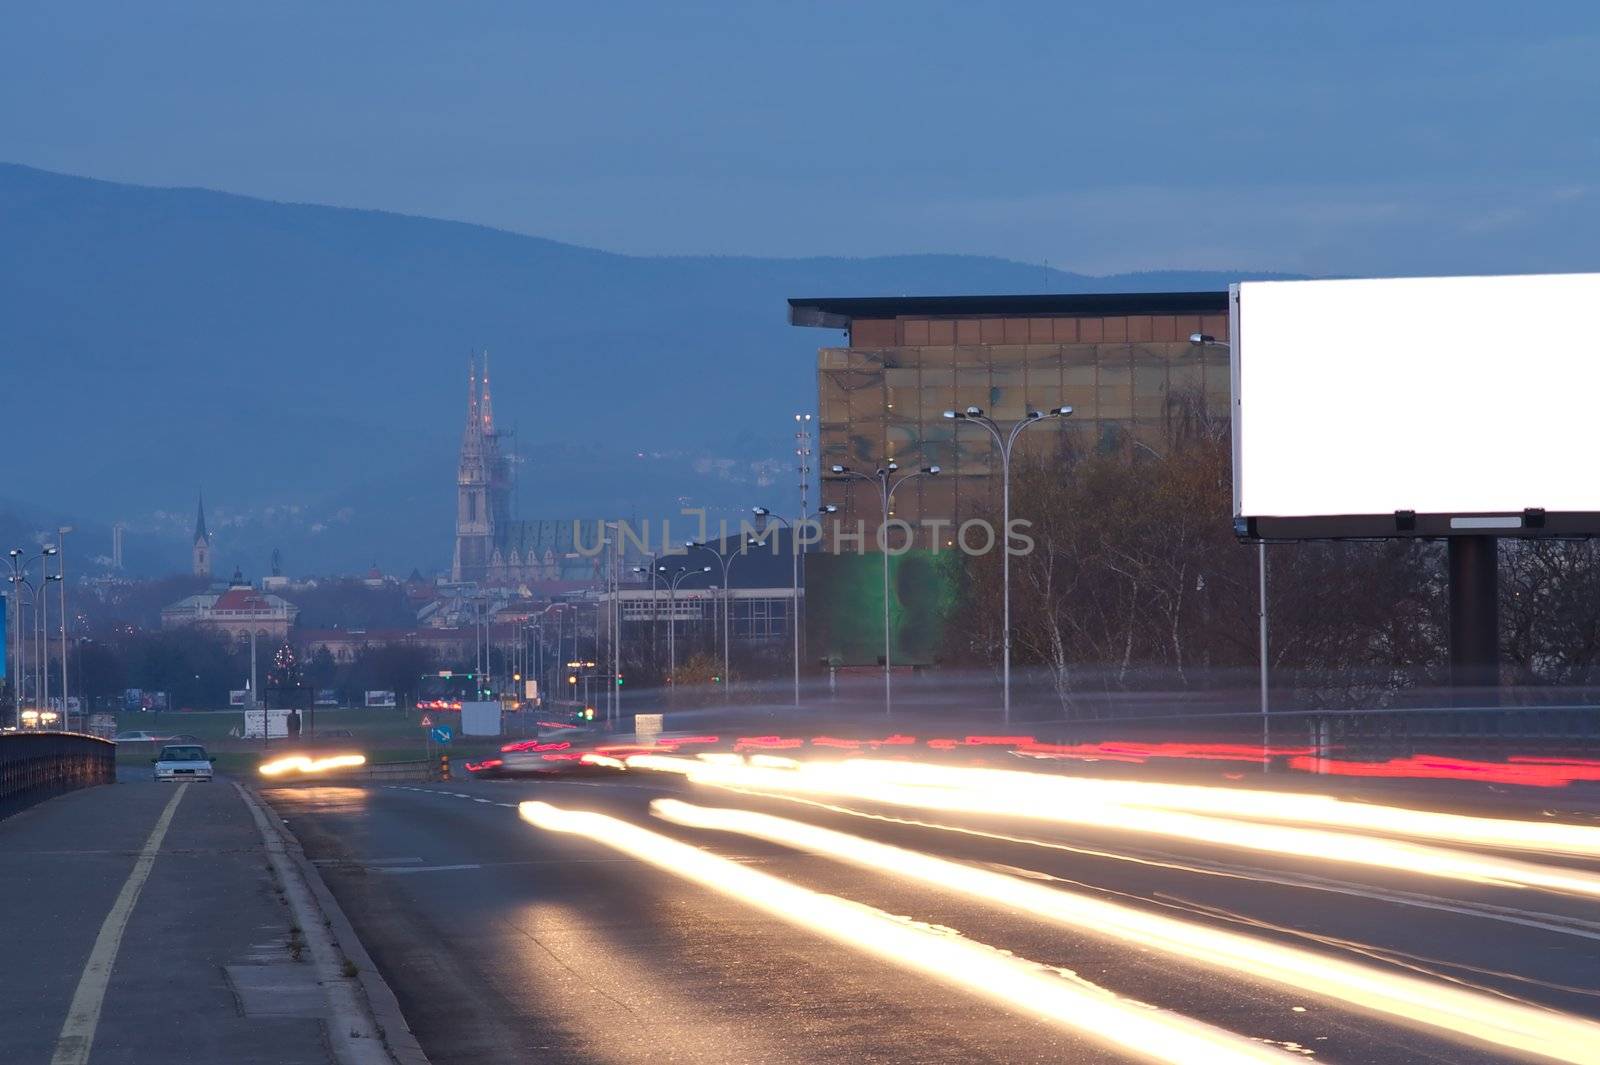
(673, 576)
(1005, 437)
(884, 477)
(39, 600)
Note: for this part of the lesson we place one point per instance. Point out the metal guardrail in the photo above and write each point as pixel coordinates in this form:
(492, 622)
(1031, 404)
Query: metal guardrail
(35, 766)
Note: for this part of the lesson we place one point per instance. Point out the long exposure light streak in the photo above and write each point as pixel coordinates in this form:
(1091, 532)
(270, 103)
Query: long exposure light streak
(305, 765)
(1455, 1011)
(1128, 1026)
(1037, 797)
(1323, 810)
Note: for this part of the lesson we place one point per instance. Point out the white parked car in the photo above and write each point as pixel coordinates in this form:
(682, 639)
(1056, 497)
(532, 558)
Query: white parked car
(183, 761)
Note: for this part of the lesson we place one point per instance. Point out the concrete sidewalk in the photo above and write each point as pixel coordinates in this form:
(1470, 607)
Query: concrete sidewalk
(209, 967)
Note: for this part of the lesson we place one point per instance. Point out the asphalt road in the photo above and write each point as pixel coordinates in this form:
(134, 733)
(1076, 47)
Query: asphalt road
(509, 943)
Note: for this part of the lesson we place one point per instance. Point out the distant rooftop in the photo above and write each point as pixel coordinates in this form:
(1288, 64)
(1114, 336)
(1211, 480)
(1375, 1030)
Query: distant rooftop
(837, 312)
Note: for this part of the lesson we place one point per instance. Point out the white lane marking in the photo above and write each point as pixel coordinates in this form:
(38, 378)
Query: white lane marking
(366, 861)
(507, 805)
(425, 868)
(83, 1016)
(480, 800)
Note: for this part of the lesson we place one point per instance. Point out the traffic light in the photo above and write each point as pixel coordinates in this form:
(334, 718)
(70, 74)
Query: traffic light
(588, 713)
(619, 681)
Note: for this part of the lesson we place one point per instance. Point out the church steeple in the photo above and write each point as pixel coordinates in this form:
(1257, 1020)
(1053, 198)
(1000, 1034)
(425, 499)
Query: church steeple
(474, 526)
(485, 405)
(202, 540)
(472, 394)
(483, 481)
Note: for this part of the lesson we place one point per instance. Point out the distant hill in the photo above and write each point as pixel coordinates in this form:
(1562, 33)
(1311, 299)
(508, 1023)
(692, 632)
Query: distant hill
(306, 366)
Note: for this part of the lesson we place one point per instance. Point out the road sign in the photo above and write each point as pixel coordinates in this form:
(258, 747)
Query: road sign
(427, 722)
(441, 734)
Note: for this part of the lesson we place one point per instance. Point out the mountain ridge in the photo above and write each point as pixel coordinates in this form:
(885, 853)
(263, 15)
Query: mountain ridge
(312, 359)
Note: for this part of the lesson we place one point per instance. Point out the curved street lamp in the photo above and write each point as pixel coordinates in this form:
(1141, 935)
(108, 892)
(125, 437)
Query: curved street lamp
(887, 484)
(726, 561)
(19, 580)
(673, 577)
(1006, 438)
(794, 596)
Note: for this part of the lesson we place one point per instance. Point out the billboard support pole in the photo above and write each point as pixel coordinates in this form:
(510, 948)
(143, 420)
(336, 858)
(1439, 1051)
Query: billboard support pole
(1474, 619)
(1261, 618)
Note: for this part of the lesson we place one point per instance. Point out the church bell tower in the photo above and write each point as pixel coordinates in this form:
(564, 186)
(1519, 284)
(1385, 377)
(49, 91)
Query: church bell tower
(202, 542)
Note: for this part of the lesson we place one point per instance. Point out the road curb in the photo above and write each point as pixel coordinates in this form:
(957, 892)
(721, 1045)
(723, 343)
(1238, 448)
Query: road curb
(360, 1024)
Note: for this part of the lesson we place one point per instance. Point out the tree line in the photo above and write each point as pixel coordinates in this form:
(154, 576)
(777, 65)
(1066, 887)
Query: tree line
(197, 668)
(1136, 582)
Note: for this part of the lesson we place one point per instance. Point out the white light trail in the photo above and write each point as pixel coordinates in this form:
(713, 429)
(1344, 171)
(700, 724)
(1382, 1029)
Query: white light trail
(1127, 1026)
(1457, 1012)
(306, 765)
(1040, 797)
(1546, 837)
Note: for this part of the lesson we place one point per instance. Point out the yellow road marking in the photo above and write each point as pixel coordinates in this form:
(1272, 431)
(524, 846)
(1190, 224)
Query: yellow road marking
(83, 1016)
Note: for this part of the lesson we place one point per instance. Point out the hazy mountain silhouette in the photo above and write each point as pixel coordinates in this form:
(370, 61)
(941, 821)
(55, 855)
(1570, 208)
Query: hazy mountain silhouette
(306, 366)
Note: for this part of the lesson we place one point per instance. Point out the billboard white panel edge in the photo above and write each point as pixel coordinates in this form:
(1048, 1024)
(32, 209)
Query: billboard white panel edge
(1436, 395)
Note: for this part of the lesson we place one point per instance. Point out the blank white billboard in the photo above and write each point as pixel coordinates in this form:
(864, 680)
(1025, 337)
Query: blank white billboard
(1440, 395)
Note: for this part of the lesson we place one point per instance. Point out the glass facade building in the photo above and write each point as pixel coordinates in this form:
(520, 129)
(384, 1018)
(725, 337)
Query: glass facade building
(1124, 363)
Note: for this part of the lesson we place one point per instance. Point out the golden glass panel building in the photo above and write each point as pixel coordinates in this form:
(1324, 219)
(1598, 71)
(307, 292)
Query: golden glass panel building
(1124, 363)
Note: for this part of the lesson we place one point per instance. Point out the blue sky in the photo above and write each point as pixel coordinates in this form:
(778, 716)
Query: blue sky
(1346, 137)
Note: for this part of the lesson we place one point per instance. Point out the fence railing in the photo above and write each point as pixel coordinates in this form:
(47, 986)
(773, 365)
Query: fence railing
(35, 766)
(1389, 732)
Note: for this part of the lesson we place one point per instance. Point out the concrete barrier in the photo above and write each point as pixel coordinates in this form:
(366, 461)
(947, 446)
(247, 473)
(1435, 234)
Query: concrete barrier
(35, 766)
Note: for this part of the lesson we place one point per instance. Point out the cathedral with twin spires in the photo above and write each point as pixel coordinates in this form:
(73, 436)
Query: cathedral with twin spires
(492, 550)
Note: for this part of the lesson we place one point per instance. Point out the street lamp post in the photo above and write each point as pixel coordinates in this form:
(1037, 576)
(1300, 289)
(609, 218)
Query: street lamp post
(61, 571)
(545, 672)
(1006, 438)
(794, 598)
(19, 580)
(1204, 340)
(676, 575)
(727, 605)
(43, 596)
(13, 622)
(887, 484)
(44, 635)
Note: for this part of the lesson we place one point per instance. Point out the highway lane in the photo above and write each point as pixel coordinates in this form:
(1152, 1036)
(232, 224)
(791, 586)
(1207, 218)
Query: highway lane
(509, 943)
